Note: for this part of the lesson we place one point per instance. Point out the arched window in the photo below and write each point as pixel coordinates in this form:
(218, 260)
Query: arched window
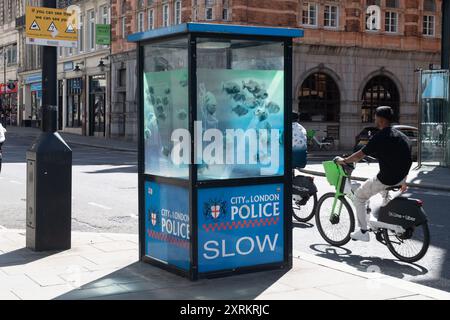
(429, 5)
(319, 99)
(379, 91)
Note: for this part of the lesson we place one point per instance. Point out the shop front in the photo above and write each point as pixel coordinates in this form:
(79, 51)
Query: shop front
(32, 100)
(8, 103)
(74, 105)
(97, 105)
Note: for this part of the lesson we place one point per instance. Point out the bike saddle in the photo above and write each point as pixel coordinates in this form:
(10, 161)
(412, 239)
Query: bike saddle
(393, 188)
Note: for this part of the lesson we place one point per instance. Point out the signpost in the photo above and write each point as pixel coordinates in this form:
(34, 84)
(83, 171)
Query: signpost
(49, 159)
(51, 27)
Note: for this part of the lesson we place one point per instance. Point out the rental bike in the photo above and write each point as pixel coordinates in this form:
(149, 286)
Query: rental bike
(401, 223)
(304, 198)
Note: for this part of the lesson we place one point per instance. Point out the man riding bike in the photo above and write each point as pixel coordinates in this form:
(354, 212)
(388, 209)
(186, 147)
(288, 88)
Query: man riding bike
(393, 151)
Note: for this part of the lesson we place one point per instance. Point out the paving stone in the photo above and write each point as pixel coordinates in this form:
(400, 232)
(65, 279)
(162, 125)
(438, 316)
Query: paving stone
(367, 289)
(6, 294)
(304, 294)
(117, 245)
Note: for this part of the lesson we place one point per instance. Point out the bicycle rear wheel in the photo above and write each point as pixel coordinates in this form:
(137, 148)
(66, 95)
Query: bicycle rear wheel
(410, 246)
(304, 213)
(335, 227)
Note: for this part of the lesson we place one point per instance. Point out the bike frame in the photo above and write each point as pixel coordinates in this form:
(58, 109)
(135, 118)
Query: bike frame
(336, 176)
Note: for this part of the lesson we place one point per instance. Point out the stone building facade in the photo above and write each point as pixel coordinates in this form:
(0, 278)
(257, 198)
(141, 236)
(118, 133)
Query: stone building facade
(10, 111)
(342, 71)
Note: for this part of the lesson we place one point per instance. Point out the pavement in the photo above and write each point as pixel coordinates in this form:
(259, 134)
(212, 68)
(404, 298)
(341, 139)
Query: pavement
(76, 139)
(106, 266)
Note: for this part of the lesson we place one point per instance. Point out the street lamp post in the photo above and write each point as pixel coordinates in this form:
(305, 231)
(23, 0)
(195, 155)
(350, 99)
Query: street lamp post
(49, 170)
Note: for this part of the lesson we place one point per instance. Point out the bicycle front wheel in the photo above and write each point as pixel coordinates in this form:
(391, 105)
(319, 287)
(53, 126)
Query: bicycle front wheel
(409, 246)
(335, 219)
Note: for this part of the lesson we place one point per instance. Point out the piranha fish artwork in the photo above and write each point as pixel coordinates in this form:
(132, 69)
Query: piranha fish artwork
(182, 114)
(252, 86)
(273, 107)
(240, 110)
(231, 87)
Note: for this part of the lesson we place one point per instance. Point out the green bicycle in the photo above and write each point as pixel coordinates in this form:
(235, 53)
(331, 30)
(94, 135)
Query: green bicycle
(401, 223)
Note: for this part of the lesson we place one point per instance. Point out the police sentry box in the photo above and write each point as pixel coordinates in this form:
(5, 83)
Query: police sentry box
(215, 148)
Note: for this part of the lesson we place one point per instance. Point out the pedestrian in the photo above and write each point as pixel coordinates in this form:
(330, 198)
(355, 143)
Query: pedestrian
(2, 140)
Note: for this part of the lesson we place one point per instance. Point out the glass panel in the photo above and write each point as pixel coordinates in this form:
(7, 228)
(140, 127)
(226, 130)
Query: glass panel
(165, 86)
(435, 133)
(240, 107)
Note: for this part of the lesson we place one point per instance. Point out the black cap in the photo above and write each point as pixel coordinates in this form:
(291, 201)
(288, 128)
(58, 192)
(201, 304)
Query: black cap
(385, 112)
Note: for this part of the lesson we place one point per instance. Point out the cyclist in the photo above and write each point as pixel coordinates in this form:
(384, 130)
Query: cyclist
(393, 151)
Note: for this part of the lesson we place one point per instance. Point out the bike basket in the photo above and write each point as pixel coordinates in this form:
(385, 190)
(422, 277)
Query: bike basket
(333, 172)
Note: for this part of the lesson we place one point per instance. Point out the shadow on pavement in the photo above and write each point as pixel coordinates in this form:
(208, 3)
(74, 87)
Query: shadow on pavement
(22, 256)
(118, 169)
(391, 267)
(302, 225)
(144, 282)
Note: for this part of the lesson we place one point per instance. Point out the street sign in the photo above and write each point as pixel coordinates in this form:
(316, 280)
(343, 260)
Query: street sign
(51, 27)
(103, 34)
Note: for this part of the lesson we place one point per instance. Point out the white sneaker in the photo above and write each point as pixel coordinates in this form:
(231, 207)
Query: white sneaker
(360, 236)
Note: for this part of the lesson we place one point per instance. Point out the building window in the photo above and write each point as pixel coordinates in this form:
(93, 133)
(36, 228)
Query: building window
(166, 15)
(104, 19)
(11, 55)
(225, 14)
(151, 19)
(124, 26)
(140, 21)
(81, 34)
(373, 3)
(122, 77)
(391, 21)
(209, 13)
(177, 12)
(429, 5)
(379, 91)
(91, 29)
(392, 4)
(428, 25)
(309, 14)
(331, 15)
(319, 99)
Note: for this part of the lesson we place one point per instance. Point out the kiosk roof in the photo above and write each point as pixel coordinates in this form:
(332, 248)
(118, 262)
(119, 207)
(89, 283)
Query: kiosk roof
(217, 29)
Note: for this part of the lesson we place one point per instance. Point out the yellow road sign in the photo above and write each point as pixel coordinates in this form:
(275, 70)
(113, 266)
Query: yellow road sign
(51, 27)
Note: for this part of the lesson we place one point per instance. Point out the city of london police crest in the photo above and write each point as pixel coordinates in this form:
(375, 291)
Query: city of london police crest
(153, 216)
(215, 209)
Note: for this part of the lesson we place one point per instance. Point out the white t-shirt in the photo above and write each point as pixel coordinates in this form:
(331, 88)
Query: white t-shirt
(2, 133)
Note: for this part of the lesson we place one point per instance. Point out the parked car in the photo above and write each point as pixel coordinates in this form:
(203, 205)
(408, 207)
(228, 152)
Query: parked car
(363, 137)
(411, 132)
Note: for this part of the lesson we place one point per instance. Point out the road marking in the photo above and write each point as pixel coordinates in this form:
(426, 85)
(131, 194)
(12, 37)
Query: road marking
(99, 206)
(2, 227)
(15, 182)
(134, 216)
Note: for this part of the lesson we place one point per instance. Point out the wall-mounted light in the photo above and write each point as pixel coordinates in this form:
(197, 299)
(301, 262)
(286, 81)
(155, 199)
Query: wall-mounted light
(77, 66)
(102, 64)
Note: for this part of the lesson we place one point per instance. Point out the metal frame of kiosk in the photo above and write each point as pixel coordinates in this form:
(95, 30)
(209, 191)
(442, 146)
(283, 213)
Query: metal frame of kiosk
(187, 223)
